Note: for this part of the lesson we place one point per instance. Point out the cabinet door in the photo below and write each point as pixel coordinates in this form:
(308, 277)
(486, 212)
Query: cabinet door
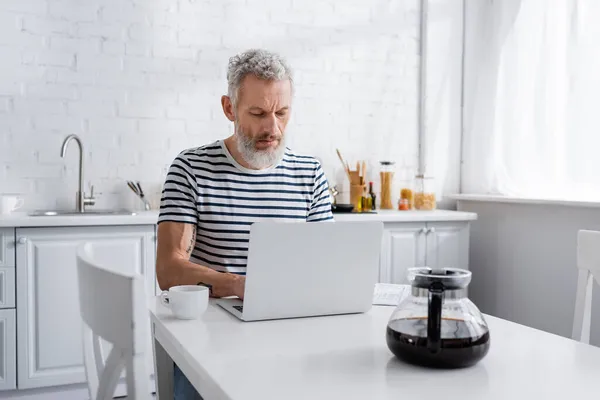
(7, 247)
(7, 268)
(448, 245)
(403, 248)
(8, 348)
(7, 287)
(48, 320)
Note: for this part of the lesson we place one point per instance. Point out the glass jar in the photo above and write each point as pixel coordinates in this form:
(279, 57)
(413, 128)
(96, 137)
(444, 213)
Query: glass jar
(407, 194)
(424, 195)
(437, 325)
(403, 205)
(386, 175)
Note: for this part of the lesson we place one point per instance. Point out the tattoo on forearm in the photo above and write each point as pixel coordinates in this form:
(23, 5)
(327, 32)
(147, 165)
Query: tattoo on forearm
(192, 242)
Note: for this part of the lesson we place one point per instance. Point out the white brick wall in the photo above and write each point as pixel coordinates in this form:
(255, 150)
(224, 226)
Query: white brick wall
(140, 80)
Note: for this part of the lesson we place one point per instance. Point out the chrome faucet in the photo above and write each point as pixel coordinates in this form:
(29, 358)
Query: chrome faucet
(81, 199)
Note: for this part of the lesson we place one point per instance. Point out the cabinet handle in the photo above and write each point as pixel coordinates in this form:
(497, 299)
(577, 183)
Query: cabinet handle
(424, 231)
(431, 230)
(22, 240)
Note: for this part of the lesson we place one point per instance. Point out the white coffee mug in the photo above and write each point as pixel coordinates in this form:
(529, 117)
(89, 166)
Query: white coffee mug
(186, 301)
(9, 203)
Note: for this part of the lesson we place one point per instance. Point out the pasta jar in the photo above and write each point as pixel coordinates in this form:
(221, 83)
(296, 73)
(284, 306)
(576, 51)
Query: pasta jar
(387, 176)
(424, 196)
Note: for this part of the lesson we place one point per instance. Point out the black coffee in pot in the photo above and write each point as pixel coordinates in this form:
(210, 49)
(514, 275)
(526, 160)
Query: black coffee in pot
(462, 343)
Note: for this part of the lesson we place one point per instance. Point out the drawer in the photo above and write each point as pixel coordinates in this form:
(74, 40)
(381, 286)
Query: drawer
(7, 247)
(7, 287)
(8, 353)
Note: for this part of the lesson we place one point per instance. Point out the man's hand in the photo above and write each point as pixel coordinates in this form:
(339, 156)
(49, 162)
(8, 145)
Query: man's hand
(175, 244)
(239, 285)
(233, 285)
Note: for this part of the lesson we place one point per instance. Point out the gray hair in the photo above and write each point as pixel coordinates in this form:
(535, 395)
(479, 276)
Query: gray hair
(264, 64)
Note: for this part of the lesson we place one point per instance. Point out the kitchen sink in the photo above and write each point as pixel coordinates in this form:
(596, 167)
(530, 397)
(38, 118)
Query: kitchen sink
(96, 212)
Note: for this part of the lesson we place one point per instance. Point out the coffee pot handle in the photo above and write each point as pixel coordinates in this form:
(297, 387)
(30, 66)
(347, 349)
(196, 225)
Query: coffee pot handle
(434, 317)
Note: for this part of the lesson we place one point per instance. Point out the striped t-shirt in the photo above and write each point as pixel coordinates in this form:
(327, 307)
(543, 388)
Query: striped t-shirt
(206, 187)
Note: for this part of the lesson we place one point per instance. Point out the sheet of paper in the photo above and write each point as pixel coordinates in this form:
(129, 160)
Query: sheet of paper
(387, 294)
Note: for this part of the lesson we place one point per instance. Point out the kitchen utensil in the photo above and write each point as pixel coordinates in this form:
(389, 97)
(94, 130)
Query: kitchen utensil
(354, 178)
(140, 188)
(137, 189)
(360, 174)
(344, 164)
(437, 325)
(356, 193)
(133, 188)
(364, 172)
(333, 191)
(143, 197)
(342, 208)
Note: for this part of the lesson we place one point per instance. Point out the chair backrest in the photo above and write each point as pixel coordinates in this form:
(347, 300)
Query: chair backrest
(588, 264)
(113, 307)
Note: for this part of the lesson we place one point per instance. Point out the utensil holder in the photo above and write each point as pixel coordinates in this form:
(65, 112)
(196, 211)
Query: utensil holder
(356, 192)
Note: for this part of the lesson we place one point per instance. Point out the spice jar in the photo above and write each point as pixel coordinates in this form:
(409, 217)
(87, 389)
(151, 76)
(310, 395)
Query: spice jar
(407, 195)
(387, 176)
(424, 196)
(403, 205)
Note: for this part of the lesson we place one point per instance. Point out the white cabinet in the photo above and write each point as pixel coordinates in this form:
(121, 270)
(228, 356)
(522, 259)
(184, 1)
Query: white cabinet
(448, 245)
(7, 247)
(403, 248)
(8, 345)
(7, 287)
(48, 323)
(8, 338)
(420, 244)
(7, 268)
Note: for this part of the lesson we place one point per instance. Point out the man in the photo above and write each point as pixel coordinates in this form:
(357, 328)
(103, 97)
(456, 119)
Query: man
(212, 194)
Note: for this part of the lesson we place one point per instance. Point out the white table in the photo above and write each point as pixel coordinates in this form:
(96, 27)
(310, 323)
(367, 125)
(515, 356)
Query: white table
(346, 357)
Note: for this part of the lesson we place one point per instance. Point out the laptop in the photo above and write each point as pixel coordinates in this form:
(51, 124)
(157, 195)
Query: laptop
(309, 269)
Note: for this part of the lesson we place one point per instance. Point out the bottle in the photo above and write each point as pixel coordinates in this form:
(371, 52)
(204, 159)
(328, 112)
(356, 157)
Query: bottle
(373, 197)
(366, 201)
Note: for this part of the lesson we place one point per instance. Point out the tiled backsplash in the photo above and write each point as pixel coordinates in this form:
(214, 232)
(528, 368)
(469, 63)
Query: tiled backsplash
(140, 81)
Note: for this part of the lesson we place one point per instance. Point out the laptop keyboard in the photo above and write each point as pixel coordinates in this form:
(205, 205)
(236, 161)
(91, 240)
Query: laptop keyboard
(239, 308)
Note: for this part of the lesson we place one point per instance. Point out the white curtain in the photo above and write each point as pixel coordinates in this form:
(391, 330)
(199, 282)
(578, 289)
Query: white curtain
(532, 98)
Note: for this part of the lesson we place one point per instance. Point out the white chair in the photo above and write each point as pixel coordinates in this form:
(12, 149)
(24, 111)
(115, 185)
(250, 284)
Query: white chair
(588, 263)
(113, 307)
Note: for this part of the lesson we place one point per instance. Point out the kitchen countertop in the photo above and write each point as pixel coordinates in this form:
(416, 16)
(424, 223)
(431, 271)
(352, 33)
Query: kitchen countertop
(525, 200)
(408, 216)
(21, 219)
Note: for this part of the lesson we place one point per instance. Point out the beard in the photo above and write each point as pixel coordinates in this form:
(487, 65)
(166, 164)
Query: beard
(259, 159)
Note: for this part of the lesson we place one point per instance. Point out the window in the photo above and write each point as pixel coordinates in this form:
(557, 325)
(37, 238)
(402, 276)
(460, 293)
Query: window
(532, 99)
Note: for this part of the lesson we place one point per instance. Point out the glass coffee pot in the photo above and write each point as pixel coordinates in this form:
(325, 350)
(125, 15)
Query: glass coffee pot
(437, 325)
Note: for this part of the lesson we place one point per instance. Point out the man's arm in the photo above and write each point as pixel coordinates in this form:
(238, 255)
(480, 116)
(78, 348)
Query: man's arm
(320, 209)
(176, 242)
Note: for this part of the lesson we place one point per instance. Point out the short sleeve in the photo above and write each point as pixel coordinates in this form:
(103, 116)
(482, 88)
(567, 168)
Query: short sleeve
(320, 208)
(178, 202)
